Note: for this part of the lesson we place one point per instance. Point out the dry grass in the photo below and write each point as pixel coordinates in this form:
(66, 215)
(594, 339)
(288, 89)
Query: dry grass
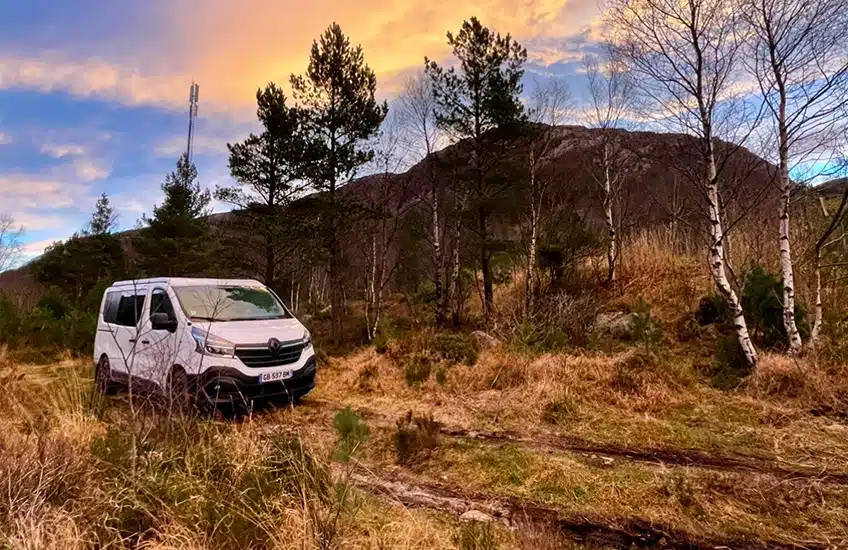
(68, 479)
(271, 481)
(624, 398)
(670, 275)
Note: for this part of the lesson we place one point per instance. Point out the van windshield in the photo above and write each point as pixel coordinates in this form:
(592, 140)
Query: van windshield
(229, 303)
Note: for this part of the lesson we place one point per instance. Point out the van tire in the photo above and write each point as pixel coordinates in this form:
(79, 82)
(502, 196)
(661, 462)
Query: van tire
(179, 394)
(103, 377)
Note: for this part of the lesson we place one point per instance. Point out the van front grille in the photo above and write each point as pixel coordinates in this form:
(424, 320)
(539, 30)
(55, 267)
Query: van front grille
(264, 357)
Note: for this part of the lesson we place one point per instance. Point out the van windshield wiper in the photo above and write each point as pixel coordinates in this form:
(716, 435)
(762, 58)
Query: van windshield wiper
(197, 318)
(259, 318)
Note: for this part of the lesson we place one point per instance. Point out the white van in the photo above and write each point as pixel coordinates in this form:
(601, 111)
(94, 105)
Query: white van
(223, 341)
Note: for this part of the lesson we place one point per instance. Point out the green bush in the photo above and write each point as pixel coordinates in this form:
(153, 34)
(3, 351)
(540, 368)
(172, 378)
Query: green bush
(730, 365)
(53, 323)
(762, 300)
(353, 433)
(380, 343)
(416, 370)
(425, 293)
(456, 347)
(645, 330)
(10, 320)
(539, 338)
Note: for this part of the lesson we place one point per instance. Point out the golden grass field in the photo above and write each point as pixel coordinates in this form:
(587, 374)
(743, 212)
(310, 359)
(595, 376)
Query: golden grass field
(558, 450)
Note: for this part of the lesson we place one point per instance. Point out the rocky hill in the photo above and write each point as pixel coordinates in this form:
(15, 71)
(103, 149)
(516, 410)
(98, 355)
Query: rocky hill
(659, 177)
(660, 174)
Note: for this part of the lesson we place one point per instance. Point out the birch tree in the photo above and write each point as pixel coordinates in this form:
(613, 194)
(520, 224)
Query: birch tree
(10, 242)
(799, 58)
(550, 106)
(416, 106)
(385, 204)
(683, 55)
(611, 95)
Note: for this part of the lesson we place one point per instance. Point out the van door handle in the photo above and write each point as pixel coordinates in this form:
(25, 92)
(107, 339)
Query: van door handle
(132, 340)
(145, 341)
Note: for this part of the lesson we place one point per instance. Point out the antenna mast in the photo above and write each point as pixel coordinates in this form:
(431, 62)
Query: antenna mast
(194, 93)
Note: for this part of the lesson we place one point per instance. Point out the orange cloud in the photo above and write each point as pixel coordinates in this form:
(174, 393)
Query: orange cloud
(272, 39)
(231, 48)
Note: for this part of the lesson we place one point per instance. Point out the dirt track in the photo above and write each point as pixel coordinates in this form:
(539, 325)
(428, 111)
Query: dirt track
(552, 443)
(518, 513)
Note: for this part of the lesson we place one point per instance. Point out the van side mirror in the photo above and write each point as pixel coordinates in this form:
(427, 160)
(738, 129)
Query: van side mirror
(161, 321)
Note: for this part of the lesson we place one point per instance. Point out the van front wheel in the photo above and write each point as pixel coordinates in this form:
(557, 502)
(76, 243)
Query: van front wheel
(103, 377)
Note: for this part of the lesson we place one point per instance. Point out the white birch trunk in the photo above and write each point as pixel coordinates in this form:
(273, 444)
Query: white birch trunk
(297, 298)
(531, 250)
(717, 262)
(370, 293)
(792, 334)
(455, 290)
(310, 293)
(437, 257)
(613, 243)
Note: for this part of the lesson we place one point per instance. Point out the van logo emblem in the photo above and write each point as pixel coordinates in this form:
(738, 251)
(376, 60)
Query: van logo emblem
(275, 346)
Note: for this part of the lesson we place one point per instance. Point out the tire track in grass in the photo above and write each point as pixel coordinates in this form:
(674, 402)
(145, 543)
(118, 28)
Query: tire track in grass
(553, 443)
(623, 532)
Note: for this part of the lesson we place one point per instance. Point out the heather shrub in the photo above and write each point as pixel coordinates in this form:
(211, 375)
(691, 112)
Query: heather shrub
(416, 437)
(455, 347)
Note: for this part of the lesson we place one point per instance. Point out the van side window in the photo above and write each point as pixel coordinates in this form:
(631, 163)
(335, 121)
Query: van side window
(161, 303)
(110, 308)
(129, 310)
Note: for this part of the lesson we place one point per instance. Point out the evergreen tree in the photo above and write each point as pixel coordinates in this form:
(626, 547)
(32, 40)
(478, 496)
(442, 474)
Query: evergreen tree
(81, 264)
(267, 167)
(78, 267)
(178, 239)
(104, 218)
(478, 101)
(341, 115)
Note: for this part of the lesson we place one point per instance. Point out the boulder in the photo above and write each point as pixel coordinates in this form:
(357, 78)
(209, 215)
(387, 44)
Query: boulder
(617, 324)
(476, 515)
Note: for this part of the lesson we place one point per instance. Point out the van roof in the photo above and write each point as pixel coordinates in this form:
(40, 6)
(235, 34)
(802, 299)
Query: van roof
(186, 281)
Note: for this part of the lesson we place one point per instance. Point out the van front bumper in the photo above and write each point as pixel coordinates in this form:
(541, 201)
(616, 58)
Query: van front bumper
(223, 385)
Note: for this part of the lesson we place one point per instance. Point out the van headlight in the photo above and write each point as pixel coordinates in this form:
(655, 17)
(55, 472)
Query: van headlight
(307, 339)
(209, 344)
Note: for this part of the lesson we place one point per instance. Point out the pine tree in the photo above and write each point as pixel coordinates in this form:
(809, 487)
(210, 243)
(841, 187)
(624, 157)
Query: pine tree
(178, 239)
(337, 94)
(104, 219)
(267, 167)
(479, 101)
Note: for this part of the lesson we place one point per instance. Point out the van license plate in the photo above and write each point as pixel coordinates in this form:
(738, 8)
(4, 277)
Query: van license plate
(266, 377)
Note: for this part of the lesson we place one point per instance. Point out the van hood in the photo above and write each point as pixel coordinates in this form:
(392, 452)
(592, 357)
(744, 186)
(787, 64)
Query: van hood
(255, 332)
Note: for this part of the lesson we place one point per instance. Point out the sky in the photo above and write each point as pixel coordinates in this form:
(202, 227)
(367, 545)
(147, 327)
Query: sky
(94, 93)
